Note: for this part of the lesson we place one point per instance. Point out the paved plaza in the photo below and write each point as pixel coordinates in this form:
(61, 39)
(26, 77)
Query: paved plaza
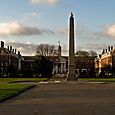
(63, 98)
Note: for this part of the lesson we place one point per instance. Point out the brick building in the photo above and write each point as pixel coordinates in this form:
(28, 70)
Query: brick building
(106, 61)
(10, 60)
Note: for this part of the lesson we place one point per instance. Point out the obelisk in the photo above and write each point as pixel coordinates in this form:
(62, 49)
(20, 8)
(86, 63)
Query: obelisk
(71, 59)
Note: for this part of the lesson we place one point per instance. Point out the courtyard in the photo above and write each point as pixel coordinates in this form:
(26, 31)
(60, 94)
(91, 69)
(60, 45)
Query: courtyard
(63, 98)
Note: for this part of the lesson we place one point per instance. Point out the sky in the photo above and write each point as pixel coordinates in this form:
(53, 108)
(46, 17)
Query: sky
(24, 24)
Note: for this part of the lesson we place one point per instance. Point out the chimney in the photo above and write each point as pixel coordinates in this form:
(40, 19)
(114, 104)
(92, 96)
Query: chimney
(8, 48)
(103, 51)
(2, 44)
(19, 54)
(99, 55)
(15, 51)
(106, 50)
(109, 48)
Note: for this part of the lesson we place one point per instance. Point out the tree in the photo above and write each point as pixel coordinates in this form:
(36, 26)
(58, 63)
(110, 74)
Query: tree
(27, 73)
(82, 53)
(93, 53)
(43, 67)
(12, 71)
(47, 50)
(85, 60)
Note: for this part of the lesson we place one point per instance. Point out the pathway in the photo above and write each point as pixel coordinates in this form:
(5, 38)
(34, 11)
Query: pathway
(68, 98)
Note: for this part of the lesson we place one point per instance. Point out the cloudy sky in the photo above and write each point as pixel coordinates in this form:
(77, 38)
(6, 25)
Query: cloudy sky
(27, 23)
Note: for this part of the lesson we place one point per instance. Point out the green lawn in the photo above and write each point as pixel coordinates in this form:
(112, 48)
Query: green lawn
(8, 80)
(10, 89)
(98, 79)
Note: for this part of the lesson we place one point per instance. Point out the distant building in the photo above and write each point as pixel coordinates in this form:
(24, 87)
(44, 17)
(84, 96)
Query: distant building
(11, 60)
(106, 61)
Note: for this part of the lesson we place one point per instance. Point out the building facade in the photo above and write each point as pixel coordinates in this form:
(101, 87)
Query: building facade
(12, 61)
(106, 61)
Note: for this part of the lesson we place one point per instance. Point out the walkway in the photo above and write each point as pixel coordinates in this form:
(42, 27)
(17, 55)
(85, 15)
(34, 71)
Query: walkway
(67, 98)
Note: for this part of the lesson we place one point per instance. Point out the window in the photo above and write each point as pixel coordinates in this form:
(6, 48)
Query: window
(6, 64)
(2, 52)
(2, 64)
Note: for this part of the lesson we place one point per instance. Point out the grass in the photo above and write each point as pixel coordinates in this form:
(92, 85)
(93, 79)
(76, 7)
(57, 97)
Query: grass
(8, 90)
(8, 87)
(99, 79)
(9, 80)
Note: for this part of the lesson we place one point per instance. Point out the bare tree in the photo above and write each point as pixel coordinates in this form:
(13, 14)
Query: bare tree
(47, 50)
(83, 53)
(93, 53)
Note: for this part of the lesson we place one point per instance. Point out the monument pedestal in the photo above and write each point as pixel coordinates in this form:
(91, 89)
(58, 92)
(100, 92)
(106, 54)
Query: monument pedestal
(71, 77)
(71, 74)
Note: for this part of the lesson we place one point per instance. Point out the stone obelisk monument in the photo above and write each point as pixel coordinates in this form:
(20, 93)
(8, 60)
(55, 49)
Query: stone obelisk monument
(71, 59)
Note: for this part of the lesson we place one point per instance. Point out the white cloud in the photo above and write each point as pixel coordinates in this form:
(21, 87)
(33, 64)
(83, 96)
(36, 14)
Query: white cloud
(31, 18)
(21, 49)
(98, 47)
(108, 31)
(48, 2)
(33, 15)
(24, 48)
(82, 28)
(15, 28)
(62, 31)
(111, 31)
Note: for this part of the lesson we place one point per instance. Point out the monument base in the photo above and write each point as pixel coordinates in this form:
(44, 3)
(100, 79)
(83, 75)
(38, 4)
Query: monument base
(72, 77)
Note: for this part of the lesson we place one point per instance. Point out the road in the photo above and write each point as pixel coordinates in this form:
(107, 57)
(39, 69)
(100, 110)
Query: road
(69, 98)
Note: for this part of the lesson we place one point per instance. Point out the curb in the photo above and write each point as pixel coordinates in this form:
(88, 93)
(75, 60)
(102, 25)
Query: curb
(28, 81)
